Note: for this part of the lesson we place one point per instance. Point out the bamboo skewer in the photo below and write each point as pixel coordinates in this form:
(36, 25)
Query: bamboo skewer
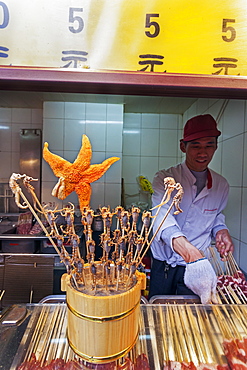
(193, 354)
(164, 335)
(215, 262)
(181, 334)
(56, 334)
(62, 341)
(202, 355)
(209, 332)
(205, 334)
(171, 337)
(37, 332)
(37, 218)
(226, 327)
(152, 335)
(241, 318)
(222, 295)
(2, 293)
(48, 335)
(179, 350)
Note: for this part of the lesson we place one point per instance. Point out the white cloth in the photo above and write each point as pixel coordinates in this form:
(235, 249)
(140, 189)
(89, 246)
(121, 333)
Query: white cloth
(201, 217)
(200, 277)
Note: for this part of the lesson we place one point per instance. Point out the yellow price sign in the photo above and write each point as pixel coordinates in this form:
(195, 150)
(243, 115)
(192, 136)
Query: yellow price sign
(173, 36)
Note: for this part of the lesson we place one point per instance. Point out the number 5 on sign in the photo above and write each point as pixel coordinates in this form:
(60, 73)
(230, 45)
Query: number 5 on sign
(75, 20)
(154, 27)
(230, 32)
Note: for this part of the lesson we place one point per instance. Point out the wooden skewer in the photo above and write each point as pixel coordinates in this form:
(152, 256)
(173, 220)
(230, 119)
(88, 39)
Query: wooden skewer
(240, 316)
(231, 322)
(215, 261)
(2, 293)
(51, 326)
(56, 334)
(157, 230)
(235, 296)
(37, 333)
(39, 221)
(165, 338)
(168, 191)
(62, 341)
(31, 295)
(142, 344)
(190, 337)
(181, 334)
(152, 334)
(227, 292)
(226, 264)
(212, 339)
(242, 295)
(202, 356)
(233, 265)
(219, 290)
(175, 333)
(205, 334)
(224, 327)
(170, 338)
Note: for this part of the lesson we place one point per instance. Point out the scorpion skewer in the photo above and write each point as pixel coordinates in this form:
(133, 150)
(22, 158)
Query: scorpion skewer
(17, 191)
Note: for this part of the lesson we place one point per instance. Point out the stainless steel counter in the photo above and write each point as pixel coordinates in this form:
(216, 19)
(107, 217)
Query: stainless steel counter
(167, 333)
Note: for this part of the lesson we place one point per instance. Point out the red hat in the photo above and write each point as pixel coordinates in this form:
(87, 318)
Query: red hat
(200, 126)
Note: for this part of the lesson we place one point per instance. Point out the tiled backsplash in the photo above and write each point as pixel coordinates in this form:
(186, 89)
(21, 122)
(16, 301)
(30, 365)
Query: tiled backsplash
(12, 120)
(150, 143)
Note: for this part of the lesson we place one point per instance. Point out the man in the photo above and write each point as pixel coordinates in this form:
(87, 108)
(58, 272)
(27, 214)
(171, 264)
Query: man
(179, 265)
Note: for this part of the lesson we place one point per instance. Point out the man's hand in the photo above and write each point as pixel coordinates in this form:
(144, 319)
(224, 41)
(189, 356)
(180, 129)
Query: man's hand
(185, 249)
(200, 277)
(223, 243)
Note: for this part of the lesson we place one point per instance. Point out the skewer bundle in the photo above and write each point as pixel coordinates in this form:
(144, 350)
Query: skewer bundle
(198, 339)
(49, 350)
(232, 284)
(123, 249)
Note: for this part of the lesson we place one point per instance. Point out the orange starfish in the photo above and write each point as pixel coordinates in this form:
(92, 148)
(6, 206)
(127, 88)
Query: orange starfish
(76, 176)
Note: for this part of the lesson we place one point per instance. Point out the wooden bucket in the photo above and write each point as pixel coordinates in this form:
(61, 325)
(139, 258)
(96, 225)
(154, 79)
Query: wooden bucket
(103, 328)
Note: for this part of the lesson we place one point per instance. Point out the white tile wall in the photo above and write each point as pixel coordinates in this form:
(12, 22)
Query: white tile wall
(73, 131)
(21, 115)
(245, 161)
(234, 117)
(12, 120)
(242, 255)
(53, 133)
(131, 141)
(5, 115)
(54, 109)
(243, 215)
(233, 211)
(168, 143)
(75, 110)
(232, 159)
(5, 137)
(150, 143)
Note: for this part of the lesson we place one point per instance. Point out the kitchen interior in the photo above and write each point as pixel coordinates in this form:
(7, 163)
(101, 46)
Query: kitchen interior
(143, 131)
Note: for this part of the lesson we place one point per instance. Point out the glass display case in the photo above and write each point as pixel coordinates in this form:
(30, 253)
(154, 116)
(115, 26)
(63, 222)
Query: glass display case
(170, 335)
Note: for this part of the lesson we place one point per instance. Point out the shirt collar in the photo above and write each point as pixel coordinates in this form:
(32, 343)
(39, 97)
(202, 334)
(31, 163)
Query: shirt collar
(190, 174)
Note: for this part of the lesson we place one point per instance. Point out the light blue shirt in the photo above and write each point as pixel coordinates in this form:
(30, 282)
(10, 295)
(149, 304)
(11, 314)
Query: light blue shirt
(202, 214)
